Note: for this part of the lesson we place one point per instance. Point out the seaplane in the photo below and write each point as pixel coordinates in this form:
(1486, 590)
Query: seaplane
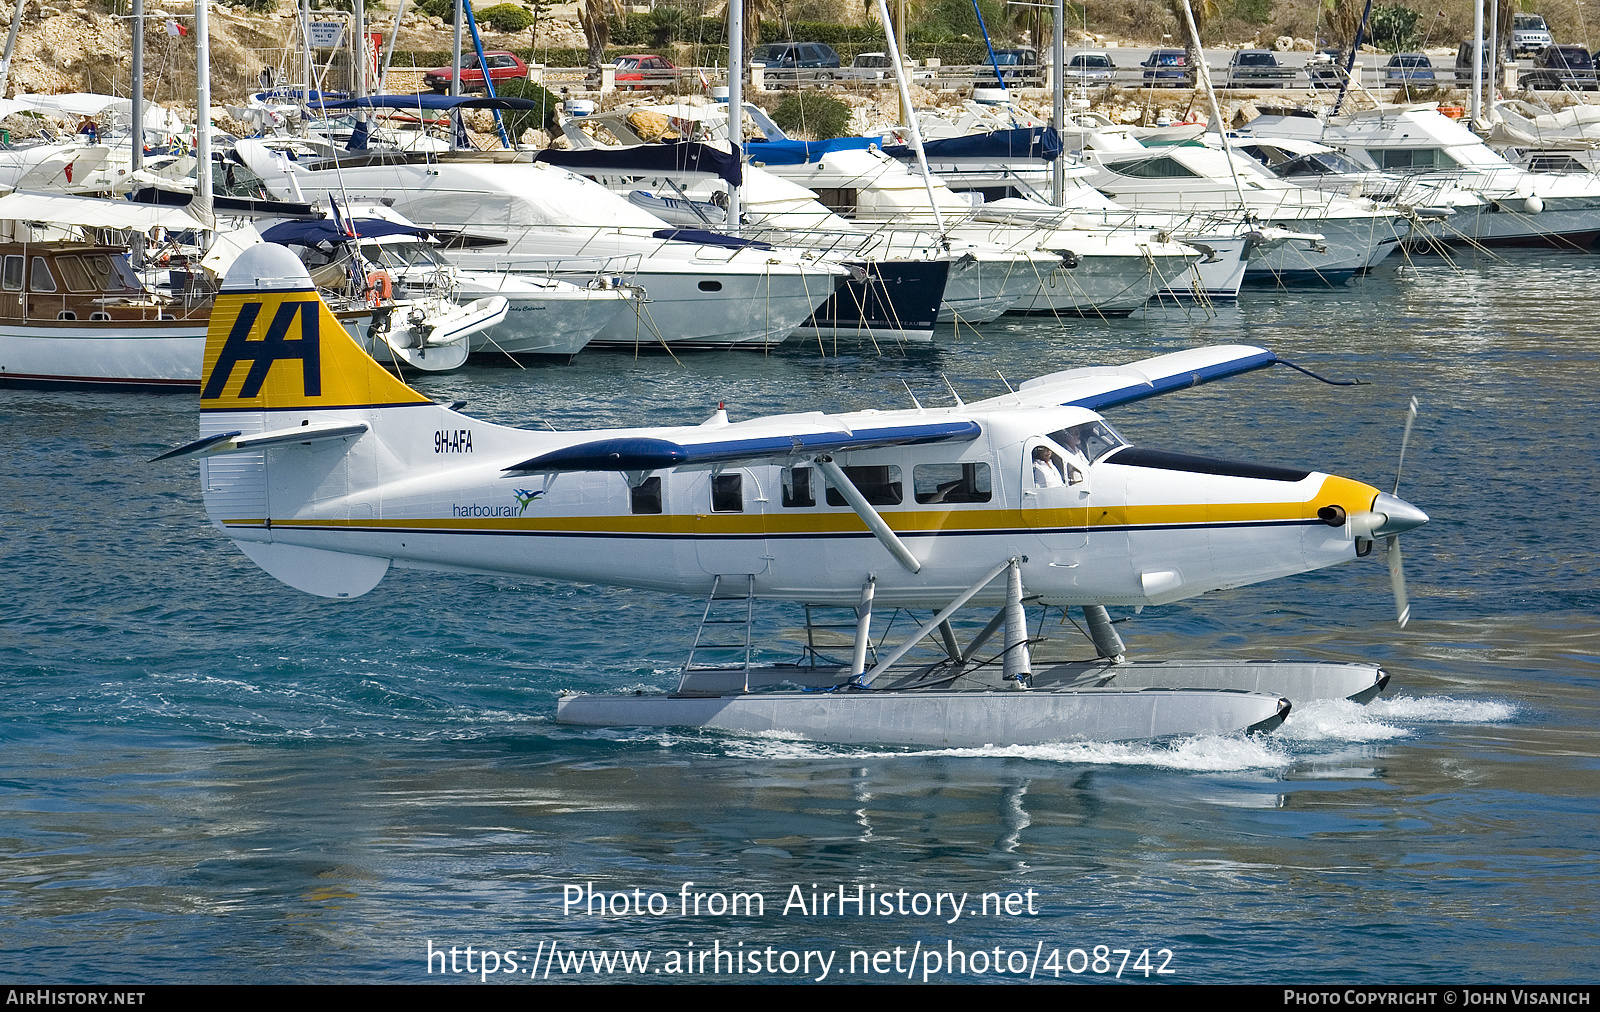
(327, 471)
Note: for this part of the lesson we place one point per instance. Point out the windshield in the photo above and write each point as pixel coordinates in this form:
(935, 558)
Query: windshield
(1320, 163)
(401, 255)
(1257, 60)
(1091, 440)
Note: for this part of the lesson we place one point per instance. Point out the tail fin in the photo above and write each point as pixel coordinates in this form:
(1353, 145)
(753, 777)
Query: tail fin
(274, 348)
(274, 345)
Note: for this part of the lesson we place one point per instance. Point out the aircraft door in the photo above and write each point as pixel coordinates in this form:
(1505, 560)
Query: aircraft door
(1055, 486)
(730, 522)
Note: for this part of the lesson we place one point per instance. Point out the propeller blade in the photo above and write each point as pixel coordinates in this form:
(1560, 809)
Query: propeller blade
(1411, 417)
(1397, 581)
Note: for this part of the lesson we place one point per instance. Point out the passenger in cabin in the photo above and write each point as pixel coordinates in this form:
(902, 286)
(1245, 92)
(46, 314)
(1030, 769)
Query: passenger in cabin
(1077, 458)
(1046, 472)
(89, 129)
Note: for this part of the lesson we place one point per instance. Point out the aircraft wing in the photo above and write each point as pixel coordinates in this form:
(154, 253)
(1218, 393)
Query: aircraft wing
(1099, 387)
(724, 445)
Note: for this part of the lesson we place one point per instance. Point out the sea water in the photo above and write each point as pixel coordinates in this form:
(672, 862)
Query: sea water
(210, 777)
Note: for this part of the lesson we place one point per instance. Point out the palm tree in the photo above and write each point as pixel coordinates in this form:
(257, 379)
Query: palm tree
(595, 18)
(1204, 11)
(1031, 18)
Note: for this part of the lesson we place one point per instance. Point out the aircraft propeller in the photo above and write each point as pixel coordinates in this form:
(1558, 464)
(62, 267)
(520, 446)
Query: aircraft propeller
(1389, 517)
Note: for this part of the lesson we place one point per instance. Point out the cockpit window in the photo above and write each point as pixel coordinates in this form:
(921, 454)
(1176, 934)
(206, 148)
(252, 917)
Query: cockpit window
(1092, 440)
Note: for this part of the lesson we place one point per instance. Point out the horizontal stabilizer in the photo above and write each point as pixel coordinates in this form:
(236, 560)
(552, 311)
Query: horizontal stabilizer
(1097, 388)
(650, 453)
(234, 442)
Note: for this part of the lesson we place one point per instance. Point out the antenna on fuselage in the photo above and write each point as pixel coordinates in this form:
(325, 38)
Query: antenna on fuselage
(1007, 382)
(959, 402)
(914, 396)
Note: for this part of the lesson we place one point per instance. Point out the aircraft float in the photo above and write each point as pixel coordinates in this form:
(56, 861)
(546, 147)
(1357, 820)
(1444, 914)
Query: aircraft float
(326, 471)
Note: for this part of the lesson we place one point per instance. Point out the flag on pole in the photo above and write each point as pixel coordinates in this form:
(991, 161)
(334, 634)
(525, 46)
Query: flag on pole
(173, 28)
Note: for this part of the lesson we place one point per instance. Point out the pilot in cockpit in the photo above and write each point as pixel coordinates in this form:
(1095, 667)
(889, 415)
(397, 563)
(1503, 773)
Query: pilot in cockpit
(1046, 472)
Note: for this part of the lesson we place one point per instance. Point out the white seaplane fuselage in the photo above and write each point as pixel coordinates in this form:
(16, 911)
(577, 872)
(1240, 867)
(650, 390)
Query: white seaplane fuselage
(437, 493)
(386, 476)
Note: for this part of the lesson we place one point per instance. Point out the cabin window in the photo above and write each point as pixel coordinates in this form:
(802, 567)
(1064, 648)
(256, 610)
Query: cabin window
(75, 275)
(711, 286)
(727, 493)
(66, 314)
(100, 270)
(838, 199)
(41, 280)
(1164, 167)
(797, 490)
(879, 485)
(12, 278)
(1411, 158)
(645, 497)
(99, 316)
(952, 483)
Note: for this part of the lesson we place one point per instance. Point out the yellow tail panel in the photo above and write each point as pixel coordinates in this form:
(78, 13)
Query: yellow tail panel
(283, 349)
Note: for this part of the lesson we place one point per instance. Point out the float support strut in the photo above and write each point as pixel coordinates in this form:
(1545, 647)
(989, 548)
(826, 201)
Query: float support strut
(1106, 641)
(1018, 664)
(858, 662)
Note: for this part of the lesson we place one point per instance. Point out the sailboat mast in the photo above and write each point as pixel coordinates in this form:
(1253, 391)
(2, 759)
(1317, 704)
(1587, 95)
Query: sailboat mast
(202, 117)
(11, 46)
(137, 155)
(735, 103)
(911, 114)
(1058, 99)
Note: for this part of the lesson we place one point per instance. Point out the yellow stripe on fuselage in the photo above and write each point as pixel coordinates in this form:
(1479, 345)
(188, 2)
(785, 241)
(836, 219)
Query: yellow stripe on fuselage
(1353, 496)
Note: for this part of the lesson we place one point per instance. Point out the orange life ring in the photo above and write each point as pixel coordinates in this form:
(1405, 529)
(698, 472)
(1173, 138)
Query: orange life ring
(380, 288)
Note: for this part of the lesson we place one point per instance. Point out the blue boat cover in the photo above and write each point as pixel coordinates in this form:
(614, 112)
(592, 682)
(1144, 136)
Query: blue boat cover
(803, 152)
(679, 156)
(307, 233)
(1041, 143)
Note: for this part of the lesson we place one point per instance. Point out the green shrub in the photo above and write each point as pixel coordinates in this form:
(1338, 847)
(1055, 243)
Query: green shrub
(516, 120)
(1394, 28)
(813, 114)
(505, 17)
(438, 9)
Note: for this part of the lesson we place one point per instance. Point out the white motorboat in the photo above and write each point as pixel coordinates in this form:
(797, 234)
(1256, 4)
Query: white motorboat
(1192, 177)
(705, 290)
(544, 316)
(1519, 208)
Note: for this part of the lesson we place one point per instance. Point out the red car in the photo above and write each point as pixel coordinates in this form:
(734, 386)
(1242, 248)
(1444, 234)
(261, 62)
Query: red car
(503, 66)
(645, 71)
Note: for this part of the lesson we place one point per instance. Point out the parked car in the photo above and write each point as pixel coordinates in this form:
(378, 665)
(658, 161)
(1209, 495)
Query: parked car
(1464, 62)
(797, 61)
(1257, 68)
(1019, 65)
(645, 70)
(1166, 68)
(1405, 70)
(1325, 68)
(503, 66)
(1091, 68)
(1529, 34)
(876, 67)
(1562, 68)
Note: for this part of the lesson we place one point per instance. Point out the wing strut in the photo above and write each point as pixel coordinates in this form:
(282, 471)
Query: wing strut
(869, 516)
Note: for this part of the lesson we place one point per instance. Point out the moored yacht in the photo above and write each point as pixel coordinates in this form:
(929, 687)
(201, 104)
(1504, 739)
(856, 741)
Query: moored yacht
(1519, 208)
(704, 290)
